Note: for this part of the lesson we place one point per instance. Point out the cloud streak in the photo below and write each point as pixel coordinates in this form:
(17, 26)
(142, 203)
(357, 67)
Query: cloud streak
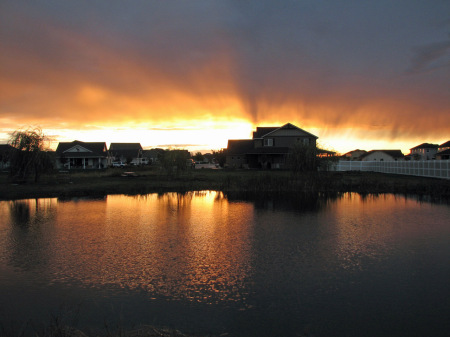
(318, 64)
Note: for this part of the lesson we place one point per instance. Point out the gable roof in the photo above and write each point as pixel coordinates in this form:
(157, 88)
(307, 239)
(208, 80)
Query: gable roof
(261, 131)
(125, 146)
(425, 146)
(392, 153)
(126, 151)
(266, 131)
(446, 144)
(354, 151)
(443, 152)
(97, 149)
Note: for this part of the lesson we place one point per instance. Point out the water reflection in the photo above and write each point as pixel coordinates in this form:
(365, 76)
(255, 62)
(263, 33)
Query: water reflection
(29, 236)
(298, 202)
(261, 266)
(193, 246)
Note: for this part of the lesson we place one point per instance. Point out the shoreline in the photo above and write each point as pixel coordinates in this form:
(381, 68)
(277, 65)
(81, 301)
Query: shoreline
(146, 181)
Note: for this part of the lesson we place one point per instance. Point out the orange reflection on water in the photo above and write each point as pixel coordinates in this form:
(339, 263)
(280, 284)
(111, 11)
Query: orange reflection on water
(195, 246)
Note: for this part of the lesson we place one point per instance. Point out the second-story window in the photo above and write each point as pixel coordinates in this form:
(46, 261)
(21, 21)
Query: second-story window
(268, 141)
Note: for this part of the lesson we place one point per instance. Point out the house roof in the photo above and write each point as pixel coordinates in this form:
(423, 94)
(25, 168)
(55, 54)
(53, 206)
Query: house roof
(392, 153)
(265, 131)
(125, 146)
(425, 146)
(262, 131)
(125, 150)
(445, 152)
(152, 153)
(351, 152)
(446, 144)
(97, 149)
(239, 146)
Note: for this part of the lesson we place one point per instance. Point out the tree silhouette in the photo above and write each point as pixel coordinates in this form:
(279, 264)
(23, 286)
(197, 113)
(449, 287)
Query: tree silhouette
(29, 155)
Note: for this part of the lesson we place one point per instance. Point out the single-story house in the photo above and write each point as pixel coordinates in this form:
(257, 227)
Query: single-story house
(424, 151)
(127, 153)
(383, 155)
(269, 147)
(353, 155)
(82, 155)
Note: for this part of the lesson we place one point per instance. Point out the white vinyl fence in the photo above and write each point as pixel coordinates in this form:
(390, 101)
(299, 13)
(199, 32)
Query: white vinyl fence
(423, 168)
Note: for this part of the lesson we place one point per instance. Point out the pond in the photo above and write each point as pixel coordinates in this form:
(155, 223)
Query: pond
(209, 263)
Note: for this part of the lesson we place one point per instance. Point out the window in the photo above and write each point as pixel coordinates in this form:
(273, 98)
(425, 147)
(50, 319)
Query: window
(268, 141)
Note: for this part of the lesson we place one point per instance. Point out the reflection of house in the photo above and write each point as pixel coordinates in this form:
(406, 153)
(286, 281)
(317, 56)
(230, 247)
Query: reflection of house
(443, 151)
(81, 155)
(128, 153)
(383, 155)
(5, 155)
(269, 147)
(354, 155)
(425, 151)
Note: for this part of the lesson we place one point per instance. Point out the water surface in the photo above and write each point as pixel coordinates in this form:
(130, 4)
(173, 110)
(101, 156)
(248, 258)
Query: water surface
(207, 263)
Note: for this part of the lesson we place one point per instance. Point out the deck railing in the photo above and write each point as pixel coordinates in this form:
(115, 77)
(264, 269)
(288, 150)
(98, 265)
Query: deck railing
(423, 168)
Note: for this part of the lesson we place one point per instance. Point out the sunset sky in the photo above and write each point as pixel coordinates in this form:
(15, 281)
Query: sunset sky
(193, 74)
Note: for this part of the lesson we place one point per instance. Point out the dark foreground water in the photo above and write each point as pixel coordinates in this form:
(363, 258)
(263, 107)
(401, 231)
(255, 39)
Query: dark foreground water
(208, 264)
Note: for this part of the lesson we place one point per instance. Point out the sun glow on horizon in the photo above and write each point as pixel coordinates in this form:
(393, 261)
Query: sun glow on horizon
(191, 135)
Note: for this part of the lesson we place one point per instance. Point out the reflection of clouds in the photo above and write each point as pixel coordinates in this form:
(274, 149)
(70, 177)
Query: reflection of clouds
(194, 246)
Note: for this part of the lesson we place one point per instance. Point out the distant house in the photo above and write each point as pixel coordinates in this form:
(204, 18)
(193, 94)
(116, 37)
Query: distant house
(425, 151)
(153, 155)
(383, 155)
(128, 153)
(269, 147)
(5, 155)
(354, 155)
(443, 151)
(444, 146)
(82, 155)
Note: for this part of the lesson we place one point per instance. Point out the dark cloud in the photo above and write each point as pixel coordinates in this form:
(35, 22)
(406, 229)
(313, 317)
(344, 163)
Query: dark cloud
(431, 57)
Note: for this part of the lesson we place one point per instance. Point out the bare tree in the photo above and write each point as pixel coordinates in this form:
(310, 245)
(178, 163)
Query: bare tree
(29, 155)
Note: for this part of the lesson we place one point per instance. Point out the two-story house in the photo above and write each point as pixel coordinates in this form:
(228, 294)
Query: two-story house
(425, 151)
(269, 147)
(443, 151)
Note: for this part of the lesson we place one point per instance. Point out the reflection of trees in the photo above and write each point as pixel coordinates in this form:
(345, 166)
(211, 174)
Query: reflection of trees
(299, 202)
(29, 240)
(20, 213)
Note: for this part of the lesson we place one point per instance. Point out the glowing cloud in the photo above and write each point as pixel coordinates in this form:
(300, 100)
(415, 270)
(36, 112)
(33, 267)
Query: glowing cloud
(205, 71)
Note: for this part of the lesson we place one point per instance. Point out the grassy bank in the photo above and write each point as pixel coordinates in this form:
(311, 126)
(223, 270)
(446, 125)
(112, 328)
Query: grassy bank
(111, 181)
